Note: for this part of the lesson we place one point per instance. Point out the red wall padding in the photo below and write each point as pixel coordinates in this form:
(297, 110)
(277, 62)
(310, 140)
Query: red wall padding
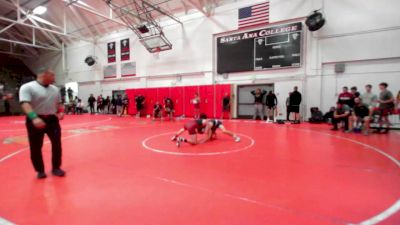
(211, 98)
(177, 95)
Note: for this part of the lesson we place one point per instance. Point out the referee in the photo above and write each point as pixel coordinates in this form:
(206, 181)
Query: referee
(41, 102)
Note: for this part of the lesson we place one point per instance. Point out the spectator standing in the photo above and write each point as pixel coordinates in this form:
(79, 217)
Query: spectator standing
(295, 101)
(113, 105)
(271, 102)
(119, 105)
(288, 107)
(100, 104)
(386, 106)
(226, 106)
(107, 105)
(139, 100)
(354, 92)
(91, 102)
(125, 104)
(398, 103)
(79, 107)
(368, 98)
(70, 94)
(258, 103)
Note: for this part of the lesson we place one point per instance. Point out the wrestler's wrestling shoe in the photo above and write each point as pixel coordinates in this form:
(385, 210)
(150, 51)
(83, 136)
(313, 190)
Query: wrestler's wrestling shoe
(179, 140)
(237, 139)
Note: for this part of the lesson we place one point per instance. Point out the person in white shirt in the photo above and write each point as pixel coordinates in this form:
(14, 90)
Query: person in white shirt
(369, 99)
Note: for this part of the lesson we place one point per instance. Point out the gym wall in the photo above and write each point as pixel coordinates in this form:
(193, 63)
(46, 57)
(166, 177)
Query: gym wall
(364, 39)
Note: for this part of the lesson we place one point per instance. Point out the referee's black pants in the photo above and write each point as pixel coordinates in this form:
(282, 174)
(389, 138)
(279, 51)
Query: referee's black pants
(91, 109)
(36, 136)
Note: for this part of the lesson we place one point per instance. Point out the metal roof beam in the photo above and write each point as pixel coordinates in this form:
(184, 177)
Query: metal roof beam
(29, 44)
(29, 49)
(98, 14)
(81, 20)
(45, 29)
(17, 54)
(50, 36)
(158, 9)
(11, 25)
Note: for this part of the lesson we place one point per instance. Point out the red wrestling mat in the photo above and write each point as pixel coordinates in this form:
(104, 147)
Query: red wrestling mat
(127, 171)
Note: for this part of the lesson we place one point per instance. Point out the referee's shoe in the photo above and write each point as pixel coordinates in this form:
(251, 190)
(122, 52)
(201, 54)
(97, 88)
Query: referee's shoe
(58, 172)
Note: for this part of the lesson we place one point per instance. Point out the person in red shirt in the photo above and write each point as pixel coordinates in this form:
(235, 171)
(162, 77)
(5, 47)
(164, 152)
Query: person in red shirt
(346, 98)
(193, 127)
(201, 126)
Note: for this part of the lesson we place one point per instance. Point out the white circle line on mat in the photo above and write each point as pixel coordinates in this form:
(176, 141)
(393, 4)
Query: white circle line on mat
(395, 207)
(144, 143)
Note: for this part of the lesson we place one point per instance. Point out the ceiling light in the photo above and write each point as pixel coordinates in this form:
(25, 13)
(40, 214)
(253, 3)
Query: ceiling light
(39, 10)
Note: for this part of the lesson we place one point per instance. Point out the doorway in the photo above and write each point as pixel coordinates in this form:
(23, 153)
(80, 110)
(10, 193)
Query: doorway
(245, 100)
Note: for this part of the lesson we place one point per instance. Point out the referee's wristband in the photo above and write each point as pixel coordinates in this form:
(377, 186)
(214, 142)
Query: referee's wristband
(32, 115)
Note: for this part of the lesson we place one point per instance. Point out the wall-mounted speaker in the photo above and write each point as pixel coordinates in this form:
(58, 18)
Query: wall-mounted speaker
(340, 67)
(315, 21)
(90, 61)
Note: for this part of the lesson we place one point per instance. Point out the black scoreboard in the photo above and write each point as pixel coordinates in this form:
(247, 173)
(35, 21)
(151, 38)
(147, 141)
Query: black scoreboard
(269, 48)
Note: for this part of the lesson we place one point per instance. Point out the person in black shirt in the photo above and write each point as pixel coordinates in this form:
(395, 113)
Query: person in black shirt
(360, 115)
(119, 105)
(157, 108)
(294, 104)
(107, 105)
(7, 110)
(100, 104)
(271, 103)
(125, 104)
(355, 93)
(258, 103)
(91, 102)
(140, 99)
(113, 105)
(226, 106)
(328, 117)
(288, 107)
(211, 128)
(70, 93)
(169, 107)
